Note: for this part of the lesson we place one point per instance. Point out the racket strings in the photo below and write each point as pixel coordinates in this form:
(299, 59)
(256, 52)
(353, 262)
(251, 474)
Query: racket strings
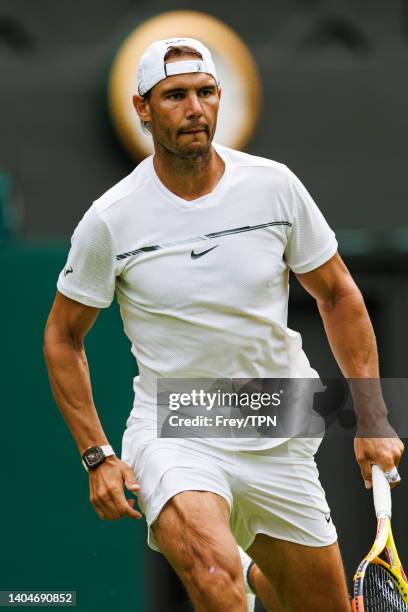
(380, 591)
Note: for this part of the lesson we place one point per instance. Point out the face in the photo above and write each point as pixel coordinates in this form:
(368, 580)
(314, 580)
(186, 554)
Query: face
(182, 113)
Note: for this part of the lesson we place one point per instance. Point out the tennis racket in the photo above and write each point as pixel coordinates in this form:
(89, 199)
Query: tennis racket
(380, 584)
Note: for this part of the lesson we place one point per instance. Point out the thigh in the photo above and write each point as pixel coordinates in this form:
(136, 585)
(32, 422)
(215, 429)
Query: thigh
(305, 578)
(193, 533)
(166, 468)
(193, 529)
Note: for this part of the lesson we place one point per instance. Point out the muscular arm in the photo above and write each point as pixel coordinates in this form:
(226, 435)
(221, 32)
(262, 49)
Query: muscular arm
(352, 340)
(67, 325)
(345, 318)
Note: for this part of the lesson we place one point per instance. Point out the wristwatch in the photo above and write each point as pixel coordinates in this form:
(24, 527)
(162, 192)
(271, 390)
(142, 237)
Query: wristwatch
(95, 455)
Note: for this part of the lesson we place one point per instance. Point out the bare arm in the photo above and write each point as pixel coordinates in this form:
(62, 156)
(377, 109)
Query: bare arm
(352, 340)
(345, 318)
(67, 326)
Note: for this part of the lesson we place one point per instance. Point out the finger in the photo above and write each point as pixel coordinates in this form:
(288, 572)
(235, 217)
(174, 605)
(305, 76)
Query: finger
(393, 477)
(99, 512)
(122, 506)
(131, 503)
(103, 513)
(107, 513)
(130, 480)
(134, 487)
(365, 467)
(132, 513)
(399, 452)
(386, 461)
(130, 509)
(106, 502)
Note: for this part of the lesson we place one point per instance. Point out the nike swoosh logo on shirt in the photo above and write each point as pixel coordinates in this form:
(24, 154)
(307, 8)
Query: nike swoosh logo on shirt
(197, 255)
(229, 232)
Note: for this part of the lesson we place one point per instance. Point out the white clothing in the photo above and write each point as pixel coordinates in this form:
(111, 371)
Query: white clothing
(202, 285)
(275, 491)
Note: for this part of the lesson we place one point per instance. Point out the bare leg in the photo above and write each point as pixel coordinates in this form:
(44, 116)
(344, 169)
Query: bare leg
(264, 589)
(194, 535)
(302, 577)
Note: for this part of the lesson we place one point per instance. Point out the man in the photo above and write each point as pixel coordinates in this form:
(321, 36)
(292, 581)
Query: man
(198, 242)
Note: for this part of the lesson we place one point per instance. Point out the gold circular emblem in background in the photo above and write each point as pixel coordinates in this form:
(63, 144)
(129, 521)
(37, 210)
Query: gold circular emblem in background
(236, 71)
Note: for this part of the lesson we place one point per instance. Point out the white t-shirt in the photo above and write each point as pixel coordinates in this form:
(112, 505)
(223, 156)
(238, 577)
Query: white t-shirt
(202, 285)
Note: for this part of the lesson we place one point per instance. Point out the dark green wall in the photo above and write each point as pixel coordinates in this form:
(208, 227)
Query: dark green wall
(50, 536)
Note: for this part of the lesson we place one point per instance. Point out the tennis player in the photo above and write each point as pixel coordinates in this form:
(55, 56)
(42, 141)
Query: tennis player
(198, 242)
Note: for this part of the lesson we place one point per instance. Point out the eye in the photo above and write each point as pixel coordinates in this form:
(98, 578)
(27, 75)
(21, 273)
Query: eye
(206, 92)
(177, 95)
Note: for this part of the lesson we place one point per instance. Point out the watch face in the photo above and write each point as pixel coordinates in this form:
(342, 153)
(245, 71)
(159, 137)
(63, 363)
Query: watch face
(93, 456)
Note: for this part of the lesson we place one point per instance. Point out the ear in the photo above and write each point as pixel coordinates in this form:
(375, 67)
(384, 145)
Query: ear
(142, 107)
(219, 91)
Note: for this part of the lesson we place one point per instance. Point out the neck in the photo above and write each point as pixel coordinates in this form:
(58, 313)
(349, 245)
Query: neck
(188, 178)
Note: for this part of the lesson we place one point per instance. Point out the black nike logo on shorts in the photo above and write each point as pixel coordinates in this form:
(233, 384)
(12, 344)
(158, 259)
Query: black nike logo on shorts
(197, 255)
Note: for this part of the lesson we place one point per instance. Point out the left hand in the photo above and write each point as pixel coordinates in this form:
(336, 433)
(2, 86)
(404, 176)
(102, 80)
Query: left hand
(386, 452)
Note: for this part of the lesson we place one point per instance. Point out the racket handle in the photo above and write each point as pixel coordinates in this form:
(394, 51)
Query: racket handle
(381, 492)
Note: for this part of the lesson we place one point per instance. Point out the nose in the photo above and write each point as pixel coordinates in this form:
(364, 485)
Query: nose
(194, 108)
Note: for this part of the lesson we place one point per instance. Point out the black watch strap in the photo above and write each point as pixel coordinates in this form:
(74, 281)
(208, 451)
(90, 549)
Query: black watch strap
(95, 455)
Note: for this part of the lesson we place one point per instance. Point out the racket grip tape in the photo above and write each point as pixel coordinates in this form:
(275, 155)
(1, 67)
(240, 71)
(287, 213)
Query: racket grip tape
(381, 493)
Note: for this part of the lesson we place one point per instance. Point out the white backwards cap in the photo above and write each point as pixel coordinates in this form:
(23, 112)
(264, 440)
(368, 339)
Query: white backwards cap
(152, 68)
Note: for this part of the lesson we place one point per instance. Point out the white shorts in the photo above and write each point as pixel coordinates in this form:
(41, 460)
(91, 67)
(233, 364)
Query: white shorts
(276, 492)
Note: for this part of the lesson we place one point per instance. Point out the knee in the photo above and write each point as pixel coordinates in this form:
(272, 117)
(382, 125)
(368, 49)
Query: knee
(215, 577)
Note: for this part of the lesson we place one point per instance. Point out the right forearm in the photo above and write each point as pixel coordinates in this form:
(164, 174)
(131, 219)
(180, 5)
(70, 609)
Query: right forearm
(71, 386)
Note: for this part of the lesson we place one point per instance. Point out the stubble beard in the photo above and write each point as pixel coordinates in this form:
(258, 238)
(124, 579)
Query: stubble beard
(183, 156)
